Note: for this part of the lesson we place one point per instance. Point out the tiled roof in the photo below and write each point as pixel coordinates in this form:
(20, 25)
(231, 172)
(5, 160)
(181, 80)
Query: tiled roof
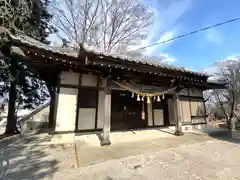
(23, 39)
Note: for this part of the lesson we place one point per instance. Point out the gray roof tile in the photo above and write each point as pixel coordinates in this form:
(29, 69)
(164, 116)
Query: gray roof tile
(74, 53)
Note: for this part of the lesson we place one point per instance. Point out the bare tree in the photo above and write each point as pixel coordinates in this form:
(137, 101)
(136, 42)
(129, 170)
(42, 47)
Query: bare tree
(108, 25)
(228, 99)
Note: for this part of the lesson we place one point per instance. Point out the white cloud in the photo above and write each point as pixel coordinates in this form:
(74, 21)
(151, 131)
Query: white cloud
(162, 58)
(165, 26)
(166, 16)
(156, 51)
(170, 15)
(214, 36)
(233, 57)
(168, 59)
(166, 36)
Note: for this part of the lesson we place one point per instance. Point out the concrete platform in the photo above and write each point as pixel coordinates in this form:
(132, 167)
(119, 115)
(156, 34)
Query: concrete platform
(123, 136)
(126, 144)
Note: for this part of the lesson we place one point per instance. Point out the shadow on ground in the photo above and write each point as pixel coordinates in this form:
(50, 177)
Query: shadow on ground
(214, 132)
(23, 159)
(223, 135)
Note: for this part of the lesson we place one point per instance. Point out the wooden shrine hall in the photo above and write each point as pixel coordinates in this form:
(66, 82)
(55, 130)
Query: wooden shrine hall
(94, 91)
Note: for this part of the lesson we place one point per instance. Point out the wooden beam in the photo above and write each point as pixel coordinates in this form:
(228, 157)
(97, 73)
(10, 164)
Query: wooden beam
(144, 67)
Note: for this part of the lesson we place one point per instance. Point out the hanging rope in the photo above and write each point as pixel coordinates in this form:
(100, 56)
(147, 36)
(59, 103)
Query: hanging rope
(143, 94)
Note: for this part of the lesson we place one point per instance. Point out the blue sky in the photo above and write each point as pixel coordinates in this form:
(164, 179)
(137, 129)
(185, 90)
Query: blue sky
(198, 51)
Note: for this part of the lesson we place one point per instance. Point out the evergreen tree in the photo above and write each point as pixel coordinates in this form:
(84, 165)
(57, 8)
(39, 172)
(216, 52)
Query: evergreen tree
(38, 26)
(24, 87)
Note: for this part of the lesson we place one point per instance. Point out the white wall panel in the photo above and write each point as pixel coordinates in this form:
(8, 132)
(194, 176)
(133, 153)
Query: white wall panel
(86, 118)
(184, 92)
(158, 117)
(195, 92)
(66, 110)
(150, 114)
(69, 78)
(89, 80)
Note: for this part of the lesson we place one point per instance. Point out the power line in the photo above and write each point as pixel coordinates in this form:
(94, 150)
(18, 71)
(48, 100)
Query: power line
(187, 34)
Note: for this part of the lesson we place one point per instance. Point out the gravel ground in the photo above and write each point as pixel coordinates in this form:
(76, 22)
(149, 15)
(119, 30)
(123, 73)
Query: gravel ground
(201, 158)
(28, 158)
(209, 160)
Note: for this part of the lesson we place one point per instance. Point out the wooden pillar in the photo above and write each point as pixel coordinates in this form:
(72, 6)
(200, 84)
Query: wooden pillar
(177, 114)
(107, 113)
(52, 88)
(51, 108)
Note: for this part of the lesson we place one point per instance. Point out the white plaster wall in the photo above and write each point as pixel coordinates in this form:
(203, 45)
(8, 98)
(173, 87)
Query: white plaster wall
(171, 112)
(101, 109)
(150, 114)
(158, 117)
(86, 118)
(66, 110)
(89, 80)
(69, 78)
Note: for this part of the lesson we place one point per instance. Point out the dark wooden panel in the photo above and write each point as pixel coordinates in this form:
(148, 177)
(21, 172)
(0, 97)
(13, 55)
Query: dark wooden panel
(88, 98)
